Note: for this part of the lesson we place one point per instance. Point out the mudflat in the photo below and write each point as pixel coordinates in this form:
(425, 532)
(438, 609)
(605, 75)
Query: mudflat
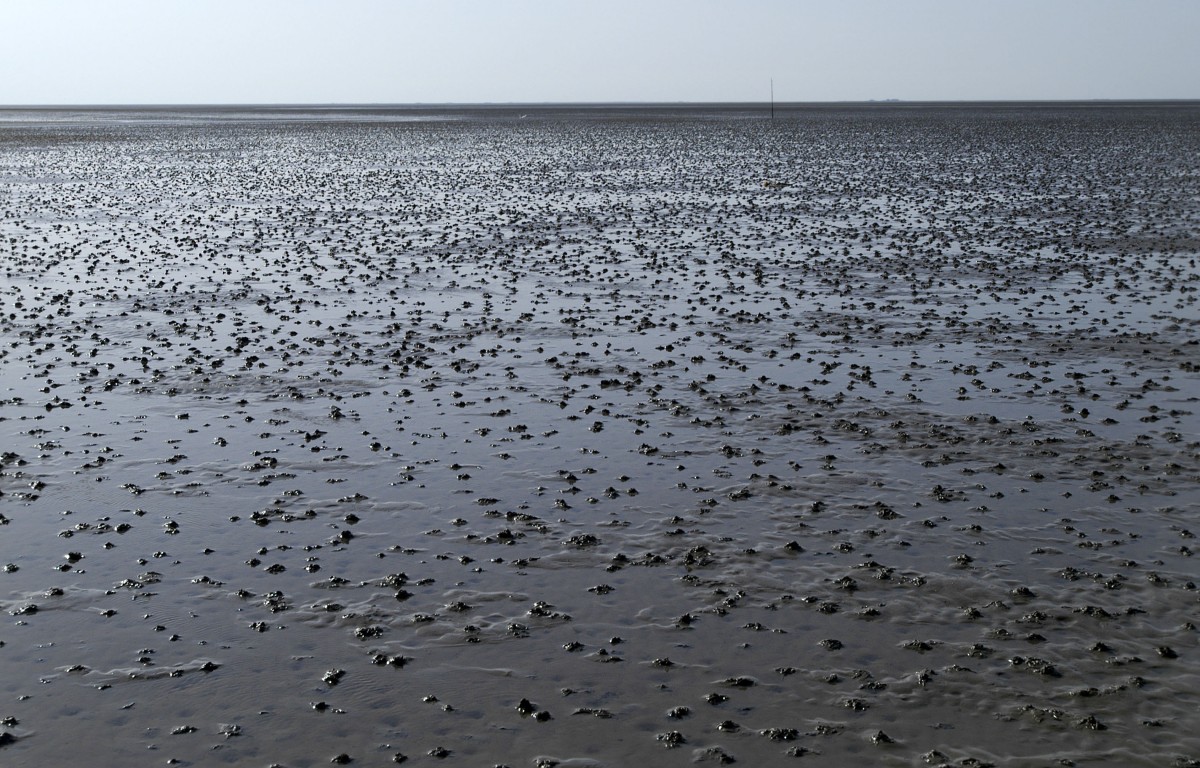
(600, 436)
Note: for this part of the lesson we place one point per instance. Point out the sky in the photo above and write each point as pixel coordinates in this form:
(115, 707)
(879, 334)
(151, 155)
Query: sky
(529, 51)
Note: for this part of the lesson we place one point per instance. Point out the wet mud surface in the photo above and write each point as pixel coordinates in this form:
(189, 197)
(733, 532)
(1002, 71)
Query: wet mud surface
(600, 438)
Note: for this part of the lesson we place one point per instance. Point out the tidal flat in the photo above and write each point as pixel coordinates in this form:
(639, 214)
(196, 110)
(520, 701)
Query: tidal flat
(600, 436)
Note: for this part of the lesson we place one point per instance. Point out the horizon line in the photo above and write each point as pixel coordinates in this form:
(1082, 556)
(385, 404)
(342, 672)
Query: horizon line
(631, 103)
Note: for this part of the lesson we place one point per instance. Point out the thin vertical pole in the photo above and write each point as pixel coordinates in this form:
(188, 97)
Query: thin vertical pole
(772, 98)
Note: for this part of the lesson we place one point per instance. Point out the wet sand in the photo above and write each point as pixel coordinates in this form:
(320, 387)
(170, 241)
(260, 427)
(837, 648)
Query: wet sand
(600, 437)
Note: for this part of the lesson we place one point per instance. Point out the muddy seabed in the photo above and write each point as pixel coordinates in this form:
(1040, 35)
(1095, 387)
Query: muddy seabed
(866, 436)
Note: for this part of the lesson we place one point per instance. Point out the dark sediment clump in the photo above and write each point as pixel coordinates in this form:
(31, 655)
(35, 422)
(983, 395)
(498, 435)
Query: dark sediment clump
(867, 431)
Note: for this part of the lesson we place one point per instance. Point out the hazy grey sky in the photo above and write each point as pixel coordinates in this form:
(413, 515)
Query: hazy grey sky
(402, 51)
